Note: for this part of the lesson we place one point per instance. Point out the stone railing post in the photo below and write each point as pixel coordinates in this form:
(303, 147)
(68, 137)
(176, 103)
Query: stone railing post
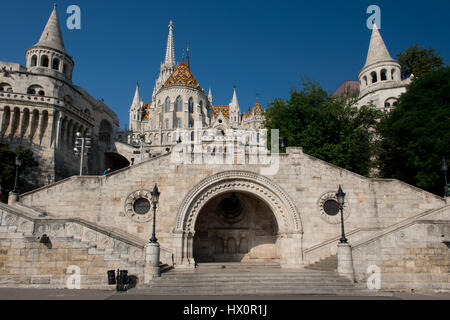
(345, 261)
(152, 260)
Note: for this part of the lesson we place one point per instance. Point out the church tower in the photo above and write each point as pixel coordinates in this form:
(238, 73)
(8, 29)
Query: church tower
(235, 111)
(168, 67)
(380, 79)
(136, 111)
(49, 54)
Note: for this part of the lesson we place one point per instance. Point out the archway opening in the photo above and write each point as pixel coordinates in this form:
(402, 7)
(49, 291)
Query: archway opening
(115, 161)
(236, 227)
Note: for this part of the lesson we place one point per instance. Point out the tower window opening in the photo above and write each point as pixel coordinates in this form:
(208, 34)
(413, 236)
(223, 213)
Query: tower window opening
(179, 105)
(393, 74)
(383, 75)
(44, 61)
(374, 77)
(191, 105)
(55, 65)
(167, 105)
(34, 61)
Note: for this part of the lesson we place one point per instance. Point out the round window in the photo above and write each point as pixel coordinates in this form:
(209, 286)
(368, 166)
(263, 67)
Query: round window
(331, 207)
(141, 206)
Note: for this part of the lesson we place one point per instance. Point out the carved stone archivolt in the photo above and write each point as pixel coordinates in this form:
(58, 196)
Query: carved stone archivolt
(275, 197)
(134, 208)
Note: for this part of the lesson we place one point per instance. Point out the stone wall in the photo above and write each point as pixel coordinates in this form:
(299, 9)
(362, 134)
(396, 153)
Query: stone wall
(371, 204)
(25, 261)
(411, 256)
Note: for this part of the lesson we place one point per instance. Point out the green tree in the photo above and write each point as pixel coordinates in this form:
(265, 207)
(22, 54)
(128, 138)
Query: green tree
(8, 167)
(417, 60)
(416, 135)
(325, 127)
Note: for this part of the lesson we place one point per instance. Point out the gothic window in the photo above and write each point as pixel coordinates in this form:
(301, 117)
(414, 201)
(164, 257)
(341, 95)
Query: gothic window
(383, 75)
(374, 77)
(191, 105)
(34, 61)
(44, 61)
(168, 105)
(179, 105)
(55, 64)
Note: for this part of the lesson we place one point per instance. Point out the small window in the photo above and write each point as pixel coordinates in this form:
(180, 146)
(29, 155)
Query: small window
(365, 81)
(31, 91)
(44, 61)
(34, 61)
(191, 105)
(55, 64)
(179, 124)
(167, 124)
(167, 105)
(179, 105)
(41, 93)
(393, 74)
(387, 105)
(383, 75)
(374, 77)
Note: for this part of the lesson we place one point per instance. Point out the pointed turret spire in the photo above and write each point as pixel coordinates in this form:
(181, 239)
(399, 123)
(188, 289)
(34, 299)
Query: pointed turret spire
(52, 36)
(235, 102)
(170, 52)
(210, 96)
(377, 48)
(137, 98)
(188, 58)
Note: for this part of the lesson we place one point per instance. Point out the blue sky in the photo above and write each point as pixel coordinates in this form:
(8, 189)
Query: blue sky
(262, 47)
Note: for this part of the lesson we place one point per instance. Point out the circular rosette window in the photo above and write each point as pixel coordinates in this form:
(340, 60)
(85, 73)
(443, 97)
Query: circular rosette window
(329, 208)
(138, 206)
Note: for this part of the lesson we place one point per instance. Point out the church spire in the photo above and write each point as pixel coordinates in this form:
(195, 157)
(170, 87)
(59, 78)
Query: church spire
(51, 36)
(377, 48)
(210, 96)
(170, 52)
(137, 98)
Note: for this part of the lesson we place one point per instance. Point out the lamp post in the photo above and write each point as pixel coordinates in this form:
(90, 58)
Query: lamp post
(83, 144)
(155, 199)
(18, 163)
(445, 170)
(341, 201)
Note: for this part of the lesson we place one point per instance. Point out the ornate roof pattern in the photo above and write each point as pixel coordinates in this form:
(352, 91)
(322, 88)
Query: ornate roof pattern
(258, 110)
(147, 107)
(224, 109)
(182, 77)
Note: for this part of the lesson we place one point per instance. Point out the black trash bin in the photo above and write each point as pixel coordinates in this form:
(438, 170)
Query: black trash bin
(111, 277)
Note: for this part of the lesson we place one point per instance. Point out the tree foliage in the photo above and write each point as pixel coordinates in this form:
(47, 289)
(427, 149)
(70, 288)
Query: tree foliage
(417, 60)
(8, 167)
(325, 127)
(416, 135)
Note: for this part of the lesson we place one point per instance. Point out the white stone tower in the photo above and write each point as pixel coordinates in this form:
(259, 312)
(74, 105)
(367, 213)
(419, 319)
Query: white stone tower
(136, 110)
(235, 110)
(49, 54)
(380, 78)
(168, 67)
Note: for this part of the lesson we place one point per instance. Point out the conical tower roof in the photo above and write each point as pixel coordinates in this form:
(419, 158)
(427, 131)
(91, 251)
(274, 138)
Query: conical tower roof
(377, 48)
(182, 77)
(52, 36)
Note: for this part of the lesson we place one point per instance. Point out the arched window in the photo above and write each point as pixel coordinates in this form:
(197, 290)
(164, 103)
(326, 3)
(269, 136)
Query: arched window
(41, 93)
(191, 105)
(179, 105)
(383, 75)
(34, 61)
(168, 105)
(55, 64)
(387, 105)
(31, 91)
(374, 77)
(365, 81)
(393, 74)
(36, 89)
(44, 61)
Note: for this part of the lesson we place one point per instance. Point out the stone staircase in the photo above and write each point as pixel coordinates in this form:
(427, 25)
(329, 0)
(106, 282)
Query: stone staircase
(327, 264)
(251, 280)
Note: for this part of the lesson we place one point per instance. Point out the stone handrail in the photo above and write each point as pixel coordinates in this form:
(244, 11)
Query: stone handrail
(401, 225)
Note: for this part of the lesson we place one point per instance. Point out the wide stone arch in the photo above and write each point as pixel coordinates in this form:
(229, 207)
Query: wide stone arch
(281, 204)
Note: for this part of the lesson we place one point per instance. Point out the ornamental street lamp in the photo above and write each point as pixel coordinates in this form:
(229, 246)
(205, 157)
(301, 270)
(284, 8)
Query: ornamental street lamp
(83, 145)
(155, 200)
(18, 163)
(341, 201)
(447, 185)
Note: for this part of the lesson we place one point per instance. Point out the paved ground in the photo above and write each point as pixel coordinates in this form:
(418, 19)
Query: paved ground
(44, 294)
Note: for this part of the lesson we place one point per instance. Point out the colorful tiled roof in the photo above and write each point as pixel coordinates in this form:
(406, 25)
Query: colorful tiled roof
(147, 107)
(224, 109)
(182, 77)
(258, 110)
